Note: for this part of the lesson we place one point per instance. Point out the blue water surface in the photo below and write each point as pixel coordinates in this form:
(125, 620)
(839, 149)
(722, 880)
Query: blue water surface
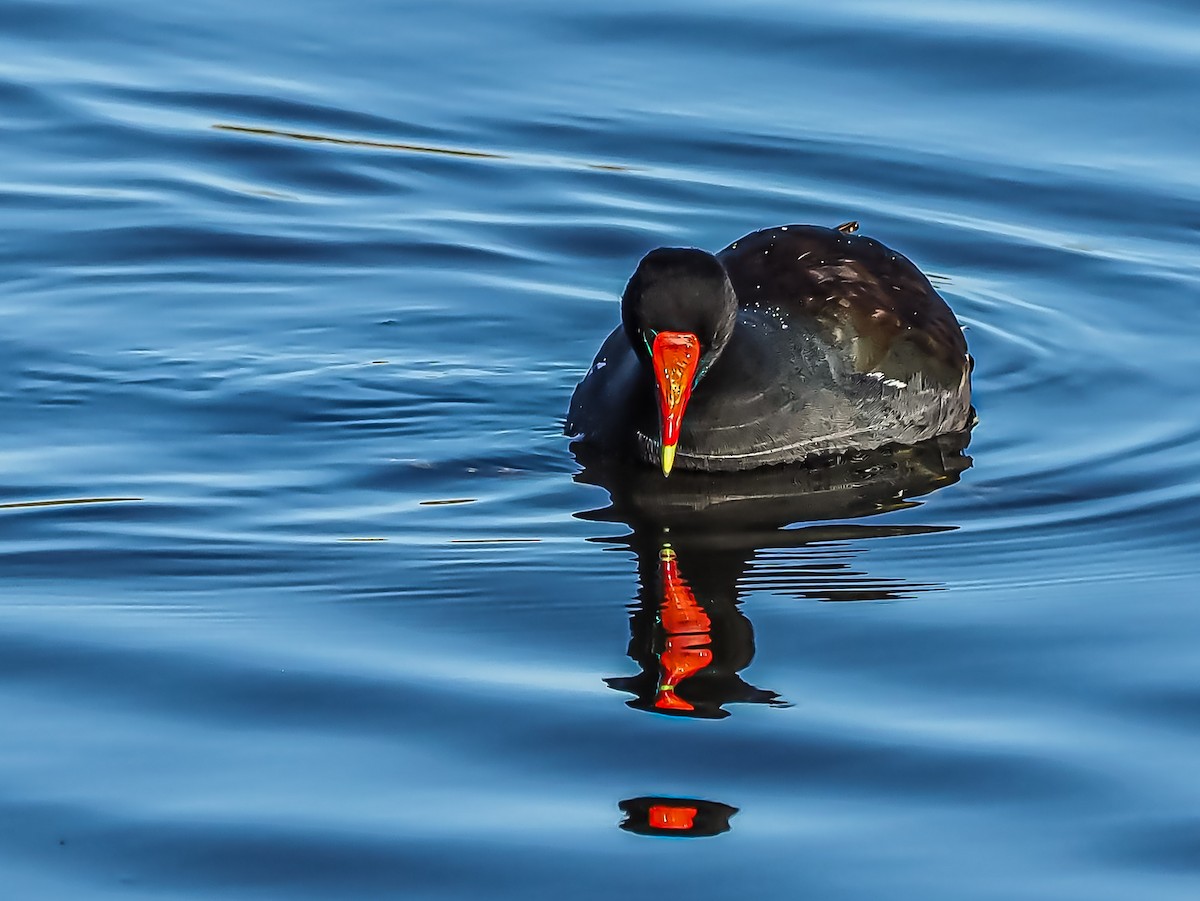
(305, 595)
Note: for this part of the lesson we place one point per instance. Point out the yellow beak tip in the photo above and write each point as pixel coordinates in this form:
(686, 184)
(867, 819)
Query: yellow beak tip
(668, 458)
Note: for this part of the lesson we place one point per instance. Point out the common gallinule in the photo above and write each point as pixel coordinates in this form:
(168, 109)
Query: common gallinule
(792, 342)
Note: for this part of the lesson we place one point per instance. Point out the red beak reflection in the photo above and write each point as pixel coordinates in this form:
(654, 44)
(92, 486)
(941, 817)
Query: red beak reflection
(688, 642)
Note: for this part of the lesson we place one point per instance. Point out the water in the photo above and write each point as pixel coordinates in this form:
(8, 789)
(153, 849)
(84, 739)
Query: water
(294, 298)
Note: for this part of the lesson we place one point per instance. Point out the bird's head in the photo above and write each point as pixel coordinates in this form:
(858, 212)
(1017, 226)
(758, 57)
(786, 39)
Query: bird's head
(678, 311)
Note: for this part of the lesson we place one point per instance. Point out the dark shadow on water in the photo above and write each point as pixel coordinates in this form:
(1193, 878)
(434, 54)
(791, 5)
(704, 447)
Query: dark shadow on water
(676, 817)
(702, 538)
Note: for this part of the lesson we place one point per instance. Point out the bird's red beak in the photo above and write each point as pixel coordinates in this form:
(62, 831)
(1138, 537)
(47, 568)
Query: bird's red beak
(675, 356)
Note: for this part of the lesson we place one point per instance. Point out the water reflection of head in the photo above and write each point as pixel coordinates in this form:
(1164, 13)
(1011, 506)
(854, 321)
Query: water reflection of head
(676, 817)
(696, 535)
(690, 639)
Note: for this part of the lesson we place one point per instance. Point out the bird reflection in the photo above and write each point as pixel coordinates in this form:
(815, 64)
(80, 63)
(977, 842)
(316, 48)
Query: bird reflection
(677, 817)
(689, 636)
(702, 539)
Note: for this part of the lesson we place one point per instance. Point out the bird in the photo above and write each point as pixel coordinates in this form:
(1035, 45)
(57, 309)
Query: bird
(794, 342)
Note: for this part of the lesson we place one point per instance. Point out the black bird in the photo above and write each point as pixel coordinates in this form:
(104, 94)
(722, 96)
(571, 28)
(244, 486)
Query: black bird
(792, 342)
